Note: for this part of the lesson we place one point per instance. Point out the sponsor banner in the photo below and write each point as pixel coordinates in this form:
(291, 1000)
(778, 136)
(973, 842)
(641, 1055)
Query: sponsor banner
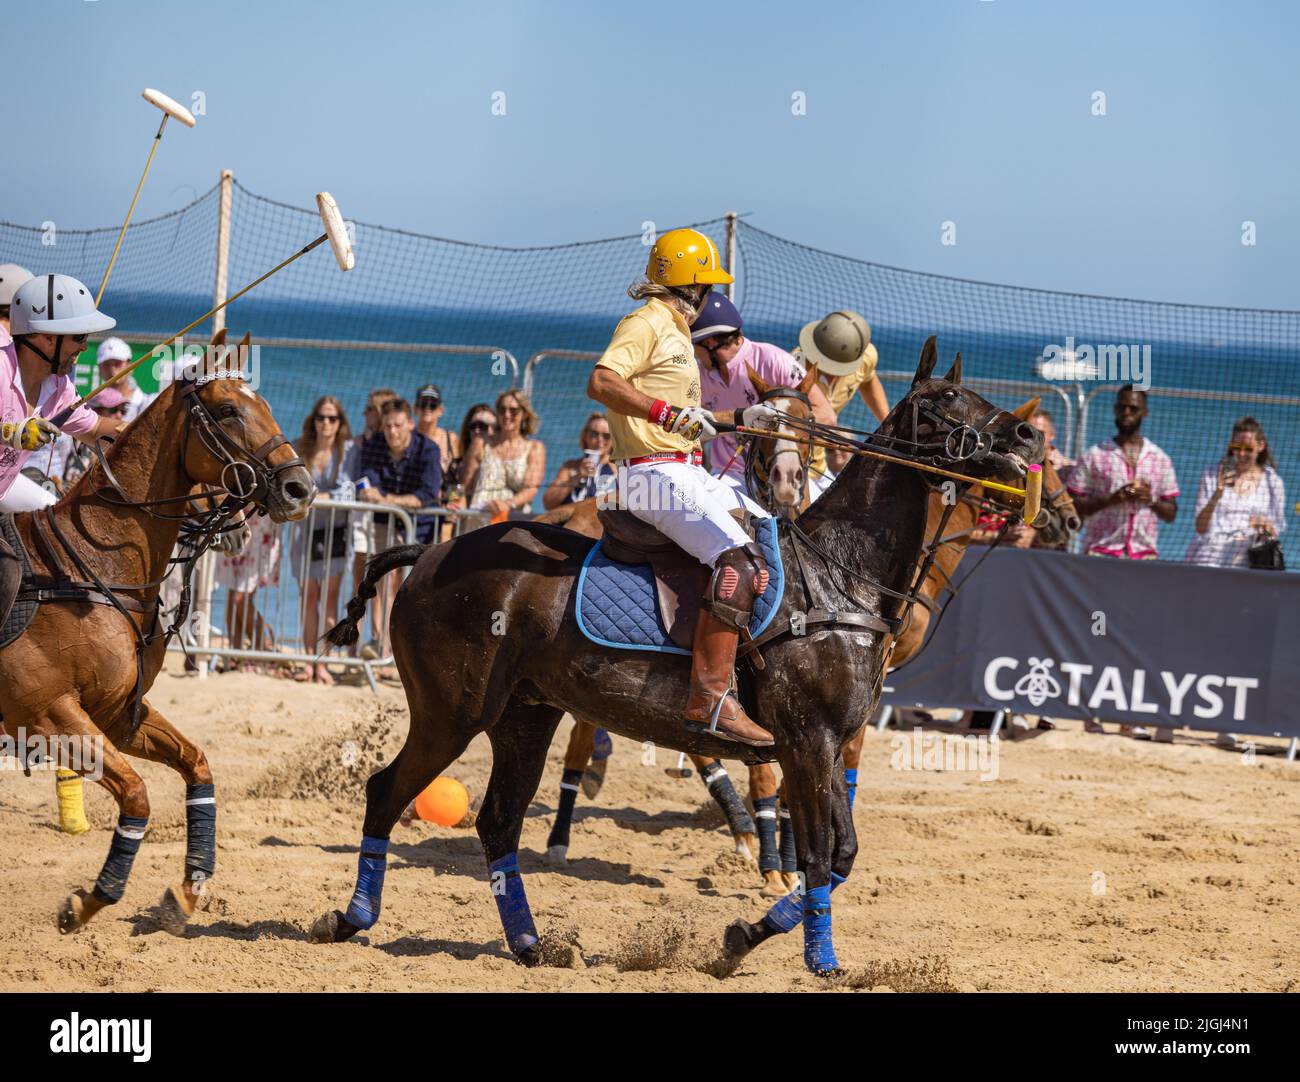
(1145, 642)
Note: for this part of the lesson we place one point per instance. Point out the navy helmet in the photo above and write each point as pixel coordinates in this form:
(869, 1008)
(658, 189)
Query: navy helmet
(718, 317)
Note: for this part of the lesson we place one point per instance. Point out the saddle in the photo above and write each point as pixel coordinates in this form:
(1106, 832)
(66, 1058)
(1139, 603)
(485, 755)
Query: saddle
(680, 579)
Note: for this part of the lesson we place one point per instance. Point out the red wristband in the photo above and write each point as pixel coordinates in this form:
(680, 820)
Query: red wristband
(660, 411)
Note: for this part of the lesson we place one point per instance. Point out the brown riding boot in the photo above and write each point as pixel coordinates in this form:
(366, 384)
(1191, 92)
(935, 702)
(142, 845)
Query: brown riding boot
(740, 577)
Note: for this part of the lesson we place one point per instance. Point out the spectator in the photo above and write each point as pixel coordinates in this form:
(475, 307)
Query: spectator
(320, 545)
(1042, 420)
(840, 348)
(113, 355)
(404, 470)
(503, 473)
(429, 410)
(1238, 496)
(1124, 488)
(479, 424)
(582, 478)
(363, 525)
(256, 568)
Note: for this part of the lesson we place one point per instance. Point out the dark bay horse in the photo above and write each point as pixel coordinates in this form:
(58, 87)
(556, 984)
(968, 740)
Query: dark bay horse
(486, 642)
(74, 674)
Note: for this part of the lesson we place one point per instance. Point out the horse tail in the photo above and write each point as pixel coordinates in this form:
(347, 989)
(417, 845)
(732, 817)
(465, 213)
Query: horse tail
(345, 632)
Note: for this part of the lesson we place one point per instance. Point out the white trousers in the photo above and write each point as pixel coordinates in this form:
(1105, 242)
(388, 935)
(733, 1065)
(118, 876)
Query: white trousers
(26, 495)
(687, 504)
(819, 483)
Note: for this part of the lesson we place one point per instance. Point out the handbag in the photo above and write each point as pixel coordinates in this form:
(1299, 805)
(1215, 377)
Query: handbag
(1265, 553)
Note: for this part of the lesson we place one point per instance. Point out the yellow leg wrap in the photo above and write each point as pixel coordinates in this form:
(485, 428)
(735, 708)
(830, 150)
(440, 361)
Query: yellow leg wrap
(72, 808)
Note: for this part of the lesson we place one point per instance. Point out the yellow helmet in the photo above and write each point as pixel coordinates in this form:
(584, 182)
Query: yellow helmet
(683, 257)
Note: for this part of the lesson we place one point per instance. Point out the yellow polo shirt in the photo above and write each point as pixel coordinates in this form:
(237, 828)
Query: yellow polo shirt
(652, 350)
(839, 392)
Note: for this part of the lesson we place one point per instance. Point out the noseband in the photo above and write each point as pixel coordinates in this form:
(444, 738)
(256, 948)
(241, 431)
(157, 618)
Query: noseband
(758, 473)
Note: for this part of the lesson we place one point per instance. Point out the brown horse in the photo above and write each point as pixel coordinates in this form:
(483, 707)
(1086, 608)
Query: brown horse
(486, 641)
(75, 676)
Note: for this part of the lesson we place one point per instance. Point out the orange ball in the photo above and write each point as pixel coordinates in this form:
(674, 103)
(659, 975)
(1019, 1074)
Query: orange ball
(444, 802)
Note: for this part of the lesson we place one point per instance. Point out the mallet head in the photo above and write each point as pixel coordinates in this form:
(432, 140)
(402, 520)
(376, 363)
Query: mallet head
(336, 230)
(172, 108)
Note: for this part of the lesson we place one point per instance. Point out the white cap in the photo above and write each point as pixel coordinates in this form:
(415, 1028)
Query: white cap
(11, 277)
(112, 349)
(55, 304)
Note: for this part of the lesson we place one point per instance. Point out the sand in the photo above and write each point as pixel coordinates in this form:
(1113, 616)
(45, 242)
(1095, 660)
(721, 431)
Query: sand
(1090, 863)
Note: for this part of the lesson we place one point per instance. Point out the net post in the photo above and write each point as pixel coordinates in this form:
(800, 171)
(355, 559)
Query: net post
(220, 289)
(731, 254)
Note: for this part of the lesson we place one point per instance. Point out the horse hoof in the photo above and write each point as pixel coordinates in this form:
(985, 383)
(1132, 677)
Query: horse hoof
(829, 973)
(592, 779)
(557, 854)
(745, 846)
(332, 927)
(530, 956)
(737, 940)
(172, 915)
(71, 912)
(774, 886)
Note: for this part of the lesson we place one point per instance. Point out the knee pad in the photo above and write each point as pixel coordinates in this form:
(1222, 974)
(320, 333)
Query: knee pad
(739, 578)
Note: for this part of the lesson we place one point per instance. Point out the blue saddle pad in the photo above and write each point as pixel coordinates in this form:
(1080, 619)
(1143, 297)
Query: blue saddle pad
(617, 603)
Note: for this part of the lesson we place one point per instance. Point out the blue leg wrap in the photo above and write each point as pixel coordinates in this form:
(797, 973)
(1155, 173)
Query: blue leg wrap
(111, 883)
(363, 911)
(789, 862)
(769, 858)
(788, 912)
(603, 747)
(818, 950)
(851, 780)
(200, 832)
(508, 892)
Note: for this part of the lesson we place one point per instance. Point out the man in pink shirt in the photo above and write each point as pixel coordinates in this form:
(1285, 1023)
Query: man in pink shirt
(51, 316)
(724, 356)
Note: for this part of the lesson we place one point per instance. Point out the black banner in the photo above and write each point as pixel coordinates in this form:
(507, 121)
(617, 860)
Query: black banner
(1137, 641)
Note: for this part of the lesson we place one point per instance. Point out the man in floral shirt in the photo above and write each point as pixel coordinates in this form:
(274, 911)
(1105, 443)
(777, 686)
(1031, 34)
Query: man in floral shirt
(1125, 487)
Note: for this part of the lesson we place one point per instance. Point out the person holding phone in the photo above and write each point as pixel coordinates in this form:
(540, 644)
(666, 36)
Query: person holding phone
(1239, 498)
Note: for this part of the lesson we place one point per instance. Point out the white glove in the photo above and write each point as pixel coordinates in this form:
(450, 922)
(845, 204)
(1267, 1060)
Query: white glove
(761, 415)
(695, 423)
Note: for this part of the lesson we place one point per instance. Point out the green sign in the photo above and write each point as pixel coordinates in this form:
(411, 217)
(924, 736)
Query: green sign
(87, 371)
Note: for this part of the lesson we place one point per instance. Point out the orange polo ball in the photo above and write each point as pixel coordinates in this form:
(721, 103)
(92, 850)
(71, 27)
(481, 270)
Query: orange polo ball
(444, 802)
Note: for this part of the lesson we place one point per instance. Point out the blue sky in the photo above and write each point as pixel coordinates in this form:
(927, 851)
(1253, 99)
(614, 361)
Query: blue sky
(971, 111)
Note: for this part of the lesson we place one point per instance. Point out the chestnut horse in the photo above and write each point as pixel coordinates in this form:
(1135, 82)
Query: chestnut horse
(76, 676)
(486, 641)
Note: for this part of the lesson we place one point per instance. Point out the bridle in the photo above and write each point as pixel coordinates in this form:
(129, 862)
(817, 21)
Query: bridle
(758, 471)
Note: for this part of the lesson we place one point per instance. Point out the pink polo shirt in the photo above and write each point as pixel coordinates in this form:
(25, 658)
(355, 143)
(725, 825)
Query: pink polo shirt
(773, 365)
(56, 393)
(1127, 530)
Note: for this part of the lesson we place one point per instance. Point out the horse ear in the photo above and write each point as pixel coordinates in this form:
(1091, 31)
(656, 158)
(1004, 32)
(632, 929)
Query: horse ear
(806, 384)
(760, 384)
(954, 373)
(1028, 409)
(241, 354)
(929, 358)
(219, 339)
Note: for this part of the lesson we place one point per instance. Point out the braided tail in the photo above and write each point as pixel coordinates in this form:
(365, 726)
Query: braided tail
(345, 632)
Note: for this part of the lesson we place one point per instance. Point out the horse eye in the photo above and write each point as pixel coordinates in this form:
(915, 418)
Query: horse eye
(950, 394)
(229, 411)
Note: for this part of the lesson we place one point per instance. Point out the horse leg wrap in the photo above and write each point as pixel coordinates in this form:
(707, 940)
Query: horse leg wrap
(851, 780)
(127, 837)
(200, 832)
(564, 814)
(72, 806)
(789, 862)
(769, 859)
(718, 782)
(788, 912)
(512, 904)
(602, 747)
(364, 908)
(818, 950)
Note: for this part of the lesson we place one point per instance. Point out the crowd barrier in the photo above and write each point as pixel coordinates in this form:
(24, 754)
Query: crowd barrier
(269, 582)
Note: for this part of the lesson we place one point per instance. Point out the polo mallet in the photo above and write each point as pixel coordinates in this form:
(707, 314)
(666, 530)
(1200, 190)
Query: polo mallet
(681, 770)
(1033, 494)
(336, 232)
(169, 109)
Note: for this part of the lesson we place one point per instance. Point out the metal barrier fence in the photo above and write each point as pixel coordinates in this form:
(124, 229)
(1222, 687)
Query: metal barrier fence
(288, 585)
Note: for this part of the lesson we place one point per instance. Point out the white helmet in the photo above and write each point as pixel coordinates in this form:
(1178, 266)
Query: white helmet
(55, 304)
(112, 349)
(11, 277)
